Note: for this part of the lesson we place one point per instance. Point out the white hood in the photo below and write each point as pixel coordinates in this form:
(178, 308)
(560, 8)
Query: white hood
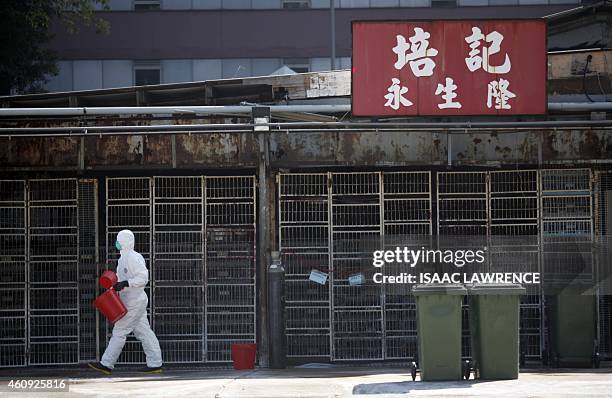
(126, 240)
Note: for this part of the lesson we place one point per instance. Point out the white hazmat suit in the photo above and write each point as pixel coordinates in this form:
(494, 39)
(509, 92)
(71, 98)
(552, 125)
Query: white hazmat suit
(131, 268)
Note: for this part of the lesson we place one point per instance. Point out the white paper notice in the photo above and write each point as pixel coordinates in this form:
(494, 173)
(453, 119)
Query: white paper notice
(318, 277)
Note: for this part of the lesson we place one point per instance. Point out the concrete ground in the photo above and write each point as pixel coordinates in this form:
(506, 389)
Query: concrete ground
(315, 382)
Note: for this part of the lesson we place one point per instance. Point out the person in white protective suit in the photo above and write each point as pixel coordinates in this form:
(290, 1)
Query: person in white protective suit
(132, 277)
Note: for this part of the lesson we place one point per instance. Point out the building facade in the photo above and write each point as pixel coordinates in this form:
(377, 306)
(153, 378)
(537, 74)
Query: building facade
(209, 198)
(153, 42)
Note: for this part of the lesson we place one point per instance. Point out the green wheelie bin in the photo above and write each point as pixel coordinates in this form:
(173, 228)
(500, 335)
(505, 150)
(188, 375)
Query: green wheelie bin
(439, 330)
(572, 320)
(494, 327)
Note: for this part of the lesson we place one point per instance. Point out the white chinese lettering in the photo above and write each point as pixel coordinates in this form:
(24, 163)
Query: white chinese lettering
(448, 91)
(475, 61)
(395, 97)
(418, 57)
(498, 91)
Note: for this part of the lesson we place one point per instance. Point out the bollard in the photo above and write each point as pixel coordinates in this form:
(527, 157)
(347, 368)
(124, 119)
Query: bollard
(276, 313)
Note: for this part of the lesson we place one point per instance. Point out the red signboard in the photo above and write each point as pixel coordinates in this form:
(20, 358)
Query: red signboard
(449, 68)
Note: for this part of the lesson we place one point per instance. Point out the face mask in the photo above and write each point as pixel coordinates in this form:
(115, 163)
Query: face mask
(118, 245)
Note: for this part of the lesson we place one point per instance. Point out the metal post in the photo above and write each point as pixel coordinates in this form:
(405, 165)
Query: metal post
(261, 118)
(332, 13)
(276, 308)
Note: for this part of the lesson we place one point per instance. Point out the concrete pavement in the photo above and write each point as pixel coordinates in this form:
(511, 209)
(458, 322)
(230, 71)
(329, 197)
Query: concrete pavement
(323, 382)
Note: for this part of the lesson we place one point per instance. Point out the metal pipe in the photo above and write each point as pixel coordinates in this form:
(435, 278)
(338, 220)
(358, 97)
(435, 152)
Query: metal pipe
(167, 110)
(232, 109)
(302, 127)
(579, 106)
(332, 13)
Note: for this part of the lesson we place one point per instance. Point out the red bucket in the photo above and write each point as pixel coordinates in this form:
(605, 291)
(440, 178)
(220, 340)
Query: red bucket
(108, 279)
(110, 305)
(243, 356)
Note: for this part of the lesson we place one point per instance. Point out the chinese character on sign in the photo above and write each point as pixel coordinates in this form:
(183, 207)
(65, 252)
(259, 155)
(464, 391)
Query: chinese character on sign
(475, 61)
(448, 91)
(498, 91)
(396, 95)
(418, 58)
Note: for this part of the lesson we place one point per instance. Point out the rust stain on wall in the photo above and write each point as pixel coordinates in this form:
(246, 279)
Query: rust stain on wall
(158, 150)
(215, 150)
(114, 150)
(39, 152)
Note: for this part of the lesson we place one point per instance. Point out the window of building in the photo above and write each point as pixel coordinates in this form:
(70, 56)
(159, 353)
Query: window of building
(298, 65)
(296, 3)
(443, 3)
(146, 5)
(146, 73)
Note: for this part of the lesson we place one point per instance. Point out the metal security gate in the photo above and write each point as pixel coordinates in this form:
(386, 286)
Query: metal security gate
(88, 269)
(53, 272)
(603, 234)
(514, 245)
(356, 232)
(48, 256)
(304, 243)
(230, 264)
(463, 214)
(497, 210)
(129, 206)
(407, 221)
(197, 235)
(13, 273)
(566, 227)
(331, 223)
(178, 258)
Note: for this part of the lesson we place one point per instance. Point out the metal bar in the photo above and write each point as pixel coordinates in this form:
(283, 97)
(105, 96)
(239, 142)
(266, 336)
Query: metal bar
(263, 249)
(301, 127)
(246, 109)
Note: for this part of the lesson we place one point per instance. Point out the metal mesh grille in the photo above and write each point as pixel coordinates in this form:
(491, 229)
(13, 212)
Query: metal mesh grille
(88, 269)
(514, 245)
(53, 272)
(13, 267)
(230, 264)
(567, 225)
(178, 273)
(603, 220)
(356, 224)
(129, 206)
(304, 245)
(500, 210)
(331, 222)
(201, 258)
(407, 221)
(463, 210)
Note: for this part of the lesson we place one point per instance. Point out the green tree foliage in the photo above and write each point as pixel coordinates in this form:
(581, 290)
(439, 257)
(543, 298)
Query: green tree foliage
(25, 59)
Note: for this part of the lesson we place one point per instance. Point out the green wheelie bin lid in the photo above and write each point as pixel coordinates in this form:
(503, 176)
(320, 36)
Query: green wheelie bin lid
(439, 289)
(499, 289)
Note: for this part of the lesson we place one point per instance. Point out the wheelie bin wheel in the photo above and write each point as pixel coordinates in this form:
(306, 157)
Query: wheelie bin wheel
(467, 369)
(596, 361)
(413, 370)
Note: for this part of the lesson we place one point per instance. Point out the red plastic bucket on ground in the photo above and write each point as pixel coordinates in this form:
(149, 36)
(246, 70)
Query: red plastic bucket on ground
(110, 305)
(243, 356)
(108, 279)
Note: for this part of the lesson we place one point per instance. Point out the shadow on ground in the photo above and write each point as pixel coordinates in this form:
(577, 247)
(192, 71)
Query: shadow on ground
(406, 387)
